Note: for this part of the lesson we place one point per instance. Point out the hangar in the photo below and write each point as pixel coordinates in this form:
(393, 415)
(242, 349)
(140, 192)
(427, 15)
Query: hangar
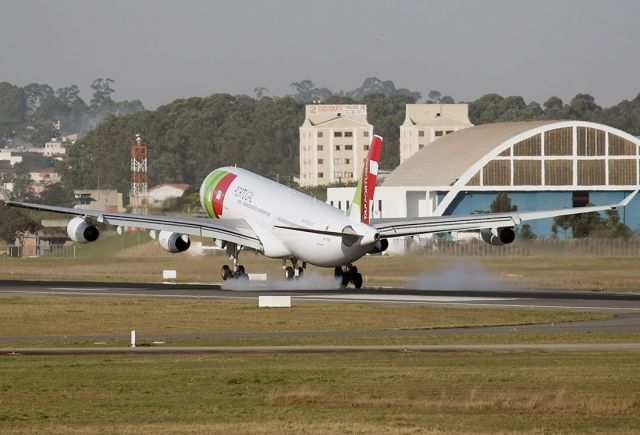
(539, 164)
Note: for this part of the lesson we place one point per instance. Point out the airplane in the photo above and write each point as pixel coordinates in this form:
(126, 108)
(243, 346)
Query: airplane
(249, 212)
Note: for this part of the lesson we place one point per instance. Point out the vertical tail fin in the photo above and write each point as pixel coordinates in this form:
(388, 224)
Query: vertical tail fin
(360, 206)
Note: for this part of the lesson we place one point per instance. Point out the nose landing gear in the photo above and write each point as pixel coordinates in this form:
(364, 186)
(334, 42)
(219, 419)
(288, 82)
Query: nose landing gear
(236, 271)
(348, 275)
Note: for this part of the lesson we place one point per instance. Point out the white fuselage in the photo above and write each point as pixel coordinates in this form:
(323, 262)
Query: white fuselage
(266, 205)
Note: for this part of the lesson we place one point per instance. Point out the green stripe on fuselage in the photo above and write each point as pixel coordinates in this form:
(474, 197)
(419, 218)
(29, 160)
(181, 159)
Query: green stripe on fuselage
(211, 182)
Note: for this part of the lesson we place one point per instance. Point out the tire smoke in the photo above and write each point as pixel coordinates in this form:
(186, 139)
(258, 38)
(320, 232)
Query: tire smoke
(459, 276)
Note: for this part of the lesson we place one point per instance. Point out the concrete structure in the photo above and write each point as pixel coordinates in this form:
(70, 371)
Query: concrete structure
(425, 123)
(94, 199)
(8, 155)
(159, 194)
(539, 164)
(54, 148)
(41, 178)
(334, 141)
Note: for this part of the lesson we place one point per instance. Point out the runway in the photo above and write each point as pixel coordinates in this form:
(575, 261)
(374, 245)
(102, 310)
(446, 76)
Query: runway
(552, 299)
(581, 347)
(625, 307)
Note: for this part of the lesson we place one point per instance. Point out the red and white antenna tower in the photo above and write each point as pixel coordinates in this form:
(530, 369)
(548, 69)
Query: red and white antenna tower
(139, 175)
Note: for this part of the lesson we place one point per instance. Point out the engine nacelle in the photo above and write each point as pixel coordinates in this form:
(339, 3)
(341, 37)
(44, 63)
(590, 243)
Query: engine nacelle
(498, 236)
(173, 242)
(81, 231)
(380, 246)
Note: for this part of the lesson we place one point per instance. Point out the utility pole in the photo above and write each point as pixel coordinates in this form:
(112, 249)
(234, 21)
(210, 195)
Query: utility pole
(139, 176)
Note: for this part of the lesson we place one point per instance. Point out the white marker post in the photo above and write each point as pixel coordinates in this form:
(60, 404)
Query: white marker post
(169, 276)
(274, 301)
(133, 338)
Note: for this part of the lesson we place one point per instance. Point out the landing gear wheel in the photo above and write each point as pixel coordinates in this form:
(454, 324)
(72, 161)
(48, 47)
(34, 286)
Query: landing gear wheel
(337, 272)
(226, 273)
(344, 280)
(240, 273)
(288, 273)
(300, 273)
(357, 280)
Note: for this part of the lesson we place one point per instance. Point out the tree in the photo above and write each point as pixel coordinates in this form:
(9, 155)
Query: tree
(502, 204)
(13, 107)
(56, 194)
(306, 92)
(35, 94)
(261, 92)
(583, 107)
(435, 96)
(15, 224)
(102, 90)
(526, 233)
(485, 109)
(586, 225)
(616, 228)
(553, 108)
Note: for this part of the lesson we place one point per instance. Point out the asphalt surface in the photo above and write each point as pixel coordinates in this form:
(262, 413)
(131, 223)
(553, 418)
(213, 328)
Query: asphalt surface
(583, 347)
(625, 307)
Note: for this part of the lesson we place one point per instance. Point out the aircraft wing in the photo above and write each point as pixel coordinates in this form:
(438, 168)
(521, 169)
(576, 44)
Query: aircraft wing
(400, 227)
(230, 230)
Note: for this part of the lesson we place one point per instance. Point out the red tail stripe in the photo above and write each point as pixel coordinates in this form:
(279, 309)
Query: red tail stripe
(369, 179)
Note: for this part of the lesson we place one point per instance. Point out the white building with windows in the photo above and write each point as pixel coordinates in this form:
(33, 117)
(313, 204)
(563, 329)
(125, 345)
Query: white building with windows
(425, 123)
(334, 141)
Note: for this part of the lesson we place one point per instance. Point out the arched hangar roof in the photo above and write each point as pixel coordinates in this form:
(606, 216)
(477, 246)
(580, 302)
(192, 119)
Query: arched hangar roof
(443, 161)
(527, 155)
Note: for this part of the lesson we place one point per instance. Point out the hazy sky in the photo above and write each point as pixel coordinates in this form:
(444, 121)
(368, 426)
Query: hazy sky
(161, 50)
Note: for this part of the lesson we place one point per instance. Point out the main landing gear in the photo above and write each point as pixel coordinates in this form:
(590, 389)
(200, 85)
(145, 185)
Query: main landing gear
(293, 271)
(236, 271)
(348, 275)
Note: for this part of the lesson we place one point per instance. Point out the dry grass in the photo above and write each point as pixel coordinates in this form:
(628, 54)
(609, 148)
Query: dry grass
(534, 402)
(80, 316)
(145, 262)
(528, 392)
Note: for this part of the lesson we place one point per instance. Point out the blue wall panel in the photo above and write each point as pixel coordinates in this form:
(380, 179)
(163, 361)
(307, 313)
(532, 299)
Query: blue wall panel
(475, 202)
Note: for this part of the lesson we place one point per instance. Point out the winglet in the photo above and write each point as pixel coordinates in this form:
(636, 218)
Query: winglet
(628, 199)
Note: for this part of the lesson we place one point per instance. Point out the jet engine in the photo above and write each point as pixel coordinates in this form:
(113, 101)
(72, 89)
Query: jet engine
(173, 242)
(380, 246)
(498, 236)
(81, 231)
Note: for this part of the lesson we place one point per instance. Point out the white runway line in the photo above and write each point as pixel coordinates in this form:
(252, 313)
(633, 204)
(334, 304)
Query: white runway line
(407, 298)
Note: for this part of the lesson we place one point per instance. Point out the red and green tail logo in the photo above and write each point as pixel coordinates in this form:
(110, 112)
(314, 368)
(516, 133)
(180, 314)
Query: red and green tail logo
(216, 185)
(360, 206)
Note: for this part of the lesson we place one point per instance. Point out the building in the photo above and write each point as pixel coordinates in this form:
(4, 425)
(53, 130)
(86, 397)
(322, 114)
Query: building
(9, 156)
(53, 148)
(41, 178)
(334, 141)
(159, 194)
(539, 164)
(425, 123)
(99, 199)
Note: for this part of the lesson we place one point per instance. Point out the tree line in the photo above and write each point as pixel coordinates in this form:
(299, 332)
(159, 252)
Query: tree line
(33, 114)
(189, 137)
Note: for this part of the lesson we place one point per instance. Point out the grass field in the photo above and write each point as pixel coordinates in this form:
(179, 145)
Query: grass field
(145, 262)
(90, 316)
(527, 392)
(368, 392)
